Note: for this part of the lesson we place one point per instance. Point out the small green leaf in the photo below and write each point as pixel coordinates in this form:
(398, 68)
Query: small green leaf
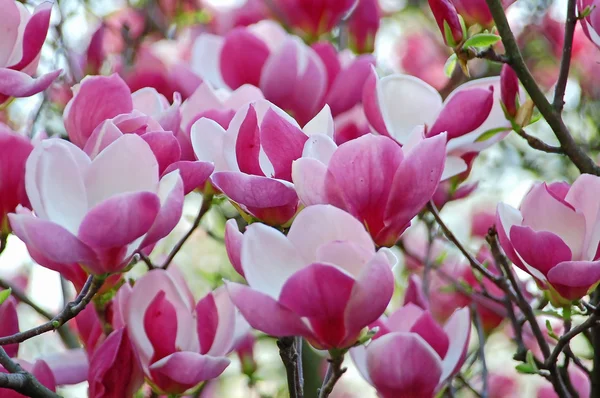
(490, 133)
(525, 368)
(4, 294)
(531, 361)
(550, 330)
(482, 40)
(450, 65)
(448, 35)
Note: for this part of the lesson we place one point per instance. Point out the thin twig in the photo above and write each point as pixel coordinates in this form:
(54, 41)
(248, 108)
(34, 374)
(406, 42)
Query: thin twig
(538, 144)
(579, 158)
(334, 373)
(481, 336)
(91, 287)
(21, 381)
(289, 357)
(565, 63)
(64, 331)
(206, 202)
(564, 340)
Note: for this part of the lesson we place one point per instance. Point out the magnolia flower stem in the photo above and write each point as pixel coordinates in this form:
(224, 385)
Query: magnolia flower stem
(334, 373)
(290, 355)
(481, 336)
(91, 287)
(64, 331)
(565, 63)
(206, 203)
(581, 160)
(21, 381)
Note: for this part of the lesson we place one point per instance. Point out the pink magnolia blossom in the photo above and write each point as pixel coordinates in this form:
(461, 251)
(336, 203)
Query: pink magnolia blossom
(103, 109)
(421, 54)
(9, 324)
(412, 355)
(253, 158)
(477, 11)
(14, 150)
(397, 105)
(40, 370)
(89, 328)
(591, 23)
(509, 90)
(96, 213)
(114, 370)
(179, 343)
(445, 14)
(289, 73)
(560, 252)
(314, 17)
(323, 281)
(23, 35)
(374, 179)
(363, 25)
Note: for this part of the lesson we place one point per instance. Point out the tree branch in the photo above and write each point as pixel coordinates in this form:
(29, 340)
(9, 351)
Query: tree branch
(91, 287)
(334, 373)
(565, 63)
(538, 144)
(481, 336)
(290, 356)
(581, 160)
(21, 381)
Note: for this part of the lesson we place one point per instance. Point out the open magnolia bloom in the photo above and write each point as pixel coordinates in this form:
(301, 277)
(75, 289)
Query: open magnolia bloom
(398, 104)
(23, 35)
(412, 356)
(323, 281)
(96, 213)
(180, 343)
(555, 236)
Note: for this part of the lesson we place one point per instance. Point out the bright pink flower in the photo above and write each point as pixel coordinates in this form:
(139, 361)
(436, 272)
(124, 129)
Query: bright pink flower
(422, 55)
(314, 17)
(40, 370)
(509, 89)
(445, 14)
(374, 179)
(591, 23)
(412, 355)
(363, 26)
(350, 125)
(323, 281)
(481, 222)
(477, 11)
(23, 35)
(397, 105)
(289, 73)
(179, 343)
(503, 386)
(343, 68)
(560, 252)
(114, 370)
(9, 324)
(253, 158)
(98, 212)
(14, 150)
(103, 109)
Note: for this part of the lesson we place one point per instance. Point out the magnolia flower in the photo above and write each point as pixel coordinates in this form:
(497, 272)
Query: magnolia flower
(323, 281)
(314, 17)
(179, 343)
(445, 14)
(23, 35)
(413, 356)
(561, 251)
(96, 213)
(14, 151)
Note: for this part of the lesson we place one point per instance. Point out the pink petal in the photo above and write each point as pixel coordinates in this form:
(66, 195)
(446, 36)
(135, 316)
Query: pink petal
(347, 89)
(267, 199)
(207, 138)
(183, 370)
(170, 193)
(458, 329)
(322, 124)
(413, 185)
(414, 293)
(53, 241)
(247, 146)
(357, 168)
(34, 35)
(105, 134)
(347, 255)
(68, 367)
(572, 279)
(42, 372)
(9, 324)
(370, 100)
(265, 314)
(506, 217)
(10, 20)
(207, 319)
(320, 293)
(229, 325)
(473, 107)
(194, 174)
(119, 220)
(233, 245)
(308, 176)
(165, 147)
(18, 84)
(320, 224)
(242, 58)
(403, 319)
(282, 142)
(329, 56)
(160, 324)
(98, 98)
(583, 196)
(403, 365)
(540, 251)
(432, 333)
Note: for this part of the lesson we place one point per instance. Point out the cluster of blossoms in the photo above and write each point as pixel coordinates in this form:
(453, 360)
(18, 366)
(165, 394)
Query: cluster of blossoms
(335, 171)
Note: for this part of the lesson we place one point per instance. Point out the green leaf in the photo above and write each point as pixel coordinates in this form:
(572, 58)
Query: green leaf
(450, 65)
(531, 361)
(448, 35)
(550, 330)
(482, 40)
(490, 133)
(4, 294)
(525, 368)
